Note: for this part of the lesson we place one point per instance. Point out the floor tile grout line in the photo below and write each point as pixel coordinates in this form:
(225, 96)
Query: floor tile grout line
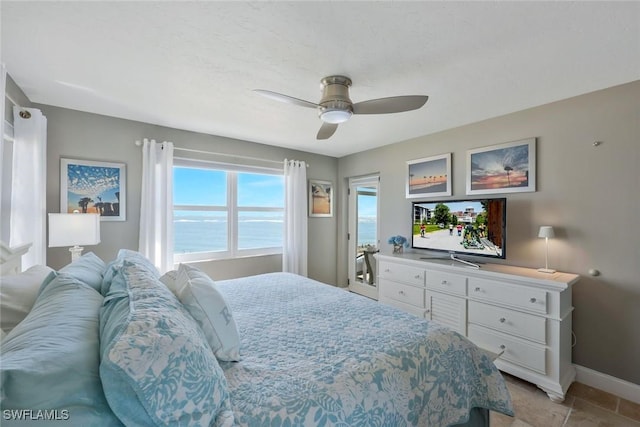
(602, 408)
(566, 418)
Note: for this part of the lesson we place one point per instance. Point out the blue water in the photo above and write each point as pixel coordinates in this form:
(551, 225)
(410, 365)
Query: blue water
(210, 234)
(195, 235)
(367, 233)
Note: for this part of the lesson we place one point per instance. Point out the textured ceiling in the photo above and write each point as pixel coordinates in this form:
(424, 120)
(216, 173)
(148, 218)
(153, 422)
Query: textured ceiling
(193, 65)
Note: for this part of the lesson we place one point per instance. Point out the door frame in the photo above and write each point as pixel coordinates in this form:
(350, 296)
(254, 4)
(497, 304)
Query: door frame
(370, 291)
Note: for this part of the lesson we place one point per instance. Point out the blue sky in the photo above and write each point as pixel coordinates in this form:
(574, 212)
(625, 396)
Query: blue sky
(209, 187)
(367, 206)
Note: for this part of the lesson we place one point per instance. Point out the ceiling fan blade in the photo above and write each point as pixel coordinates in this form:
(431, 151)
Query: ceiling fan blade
(395, 104)
(326, 130)
(286, 98)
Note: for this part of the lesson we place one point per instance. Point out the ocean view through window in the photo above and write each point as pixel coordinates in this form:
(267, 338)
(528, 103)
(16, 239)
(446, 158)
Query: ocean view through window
(226, 213)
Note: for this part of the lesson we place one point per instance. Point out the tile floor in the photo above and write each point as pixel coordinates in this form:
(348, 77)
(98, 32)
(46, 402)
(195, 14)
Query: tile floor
(584, 406)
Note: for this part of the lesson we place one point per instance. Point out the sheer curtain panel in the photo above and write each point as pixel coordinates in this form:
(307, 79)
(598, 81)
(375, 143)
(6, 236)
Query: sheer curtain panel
(156, 205)
(28, 184)
(294, 250)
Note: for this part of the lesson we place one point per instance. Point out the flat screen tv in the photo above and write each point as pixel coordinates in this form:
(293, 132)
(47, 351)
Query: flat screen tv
(475, 227)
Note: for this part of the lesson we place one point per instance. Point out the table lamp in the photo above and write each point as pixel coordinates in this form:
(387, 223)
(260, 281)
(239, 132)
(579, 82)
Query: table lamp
(546, 231)
(74, 229)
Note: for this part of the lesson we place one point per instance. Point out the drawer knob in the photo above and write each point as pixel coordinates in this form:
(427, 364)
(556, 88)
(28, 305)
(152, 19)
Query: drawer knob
(401, 292)
(428, 311)
(477, 289)
(386, 270)
(417, 276)
(533, 300)
(502, 347)
(502, 320)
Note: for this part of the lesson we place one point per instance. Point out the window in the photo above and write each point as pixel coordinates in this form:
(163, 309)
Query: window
(226, 211)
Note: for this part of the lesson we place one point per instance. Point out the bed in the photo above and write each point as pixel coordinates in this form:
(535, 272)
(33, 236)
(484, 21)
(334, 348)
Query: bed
(116, 343)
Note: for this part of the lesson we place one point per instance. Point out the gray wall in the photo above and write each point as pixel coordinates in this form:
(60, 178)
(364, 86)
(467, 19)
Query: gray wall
(80, 135)
(591, 195)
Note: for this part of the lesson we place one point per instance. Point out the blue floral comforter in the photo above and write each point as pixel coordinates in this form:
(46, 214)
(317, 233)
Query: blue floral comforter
(316, 355)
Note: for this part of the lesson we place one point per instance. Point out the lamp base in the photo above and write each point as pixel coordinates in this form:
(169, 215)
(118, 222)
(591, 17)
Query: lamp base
(76, 252)
(546, 270)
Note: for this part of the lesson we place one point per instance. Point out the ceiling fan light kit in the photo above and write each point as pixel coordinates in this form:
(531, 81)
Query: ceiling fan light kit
(335, 116)
(336, 107)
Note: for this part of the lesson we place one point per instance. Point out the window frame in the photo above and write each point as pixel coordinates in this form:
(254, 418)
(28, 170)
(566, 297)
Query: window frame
(232, 209)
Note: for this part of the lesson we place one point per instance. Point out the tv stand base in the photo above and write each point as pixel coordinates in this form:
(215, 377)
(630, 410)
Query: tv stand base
(469, 263)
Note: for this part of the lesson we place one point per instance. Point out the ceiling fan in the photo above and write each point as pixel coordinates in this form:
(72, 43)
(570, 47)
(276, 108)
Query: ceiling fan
(336, 107)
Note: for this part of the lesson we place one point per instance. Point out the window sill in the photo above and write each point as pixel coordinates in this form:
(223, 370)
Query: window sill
(222, 256)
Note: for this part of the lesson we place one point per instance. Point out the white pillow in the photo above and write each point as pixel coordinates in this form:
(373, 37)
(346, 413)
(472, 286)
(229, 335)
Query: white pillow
(198, 293)
(169, 280)
(18, 293)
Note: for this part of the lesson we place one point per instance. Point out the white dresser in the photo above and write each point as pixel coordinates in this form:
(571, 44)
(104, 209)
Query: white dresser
(519, 313)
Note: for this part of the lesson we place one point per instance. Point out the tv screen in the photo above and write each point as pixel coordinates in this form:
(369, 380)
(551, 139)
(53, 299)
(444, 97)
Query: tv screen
(464, 226)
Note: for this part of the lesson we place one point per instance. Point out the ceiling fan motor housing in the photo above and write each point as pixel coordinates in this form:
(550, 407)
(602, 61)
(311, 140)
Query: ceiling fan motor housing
(335, 105)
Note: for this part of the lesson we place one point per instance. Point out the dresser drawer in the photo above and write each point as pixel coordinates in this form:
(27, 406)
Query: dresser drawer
(523, 325)
(446, 282)
(518, 352)
(524, 297)
(404, 293)
(411, 309)
(401, 273)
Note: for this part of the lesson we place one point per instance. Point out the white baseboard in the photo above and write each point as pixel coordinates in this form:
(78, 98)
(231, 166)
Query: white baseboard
(604, 382)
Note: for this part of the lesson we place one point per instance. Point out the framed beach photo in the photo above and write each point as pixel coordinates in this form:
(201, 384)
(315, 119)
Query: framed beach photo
(502, 168)
(320, 198)
(93, 187)
(429, 177)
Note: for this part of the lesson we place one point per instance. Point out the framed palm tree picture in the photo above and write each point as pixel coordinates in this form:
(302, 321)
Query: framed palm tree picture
(502, 168)
(93, 187)
(429, 177)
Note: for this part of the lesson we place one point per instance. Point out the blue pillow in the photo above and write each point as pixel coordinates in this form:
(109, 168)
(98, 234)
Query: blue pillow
(114, 266)
(89, 269)
(50, 361)
(156, 366)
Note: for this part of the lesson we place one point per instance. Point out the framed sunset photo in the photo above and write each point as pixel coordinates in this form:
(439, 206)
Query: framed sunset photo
(429, 176)
(502, 168)
(93, 187)
(320, 198)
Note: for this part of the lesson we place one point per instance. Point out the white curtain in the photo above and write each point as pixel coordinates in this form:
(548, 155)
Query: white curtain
(156, 205)
(294, 251)
(5, 214)
(28, 186)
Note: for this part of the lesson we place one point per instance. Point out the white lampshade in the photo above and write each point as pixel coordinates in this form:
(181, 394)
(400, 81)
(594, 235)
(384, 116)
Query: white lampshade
(546, 231)
(73, 229)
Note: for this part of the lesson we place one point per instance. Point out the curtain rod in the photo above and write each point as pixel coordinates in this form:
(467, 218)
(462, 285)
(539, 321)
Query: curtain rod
(191, 150)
